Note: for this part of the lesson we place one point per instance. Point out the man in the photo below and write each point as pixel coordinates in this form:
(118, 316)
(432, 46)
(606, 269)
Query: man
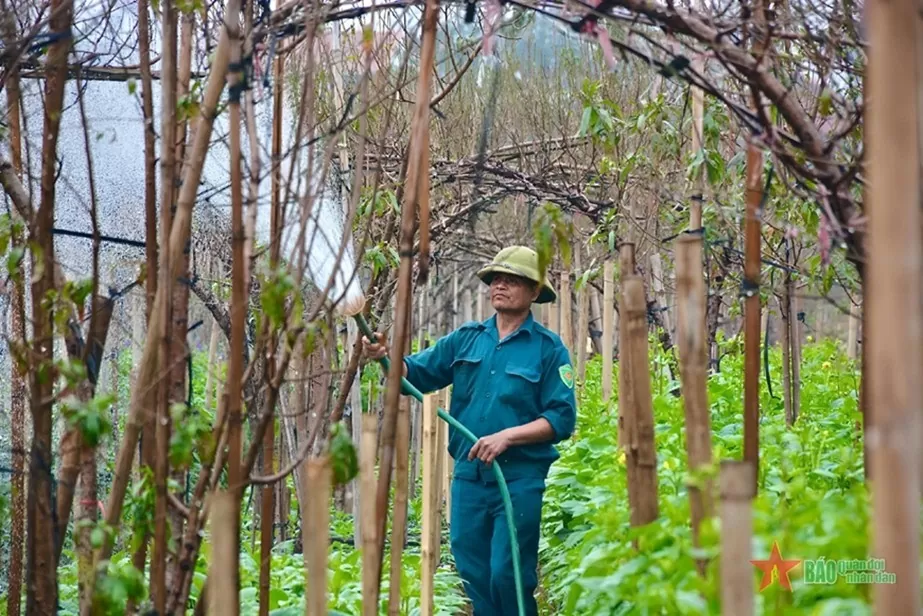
(513, 387)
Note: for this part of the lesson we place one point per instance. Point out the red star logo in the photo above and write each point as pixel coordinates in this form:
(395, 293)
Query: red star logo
(776, 561)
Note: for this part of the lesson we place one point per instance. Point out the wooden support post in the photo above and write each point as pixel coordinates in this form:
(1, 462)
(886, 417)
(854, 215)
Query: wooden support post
(567, 312)
(440, 456)
(429, 549)
(448, 465)
(692, 343)
(583, 323)
(608, 313)
(751, 290)
(893, 275)
(224, 597)
(367, 485)
(315, 535)
(785, 308)
(640, 452)
(466, 304)
(660, 292)
(554, 317)
(852, 338)
(738, 487)
(399, 518)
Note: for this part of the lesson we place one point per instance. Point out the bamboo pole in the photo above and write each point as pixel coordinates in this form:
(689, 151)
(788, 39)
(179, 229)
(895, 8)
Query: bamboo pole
(316, 535)
(660, 292)
(567, 312)
(583, 320)
(894, 270)
(448, 465)
(441, 434)
(640, 452)
(399, 518)
(692, 343)
(738, 488)
(852, 337)
(554, 316)
(608, 335)
(751, 289)
(430, 515)
(224, 597)
(368, 449)
(785, 307)
(698, 143)
(796, 352)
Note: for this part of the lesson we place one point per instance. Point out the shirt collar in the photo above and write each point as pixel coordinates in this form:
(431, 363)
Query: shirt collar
(527, 326)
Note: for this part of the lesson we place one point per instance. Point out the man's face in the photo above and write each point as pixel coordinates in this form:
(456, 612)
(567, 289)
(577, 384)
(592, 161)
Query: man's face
(509, 293)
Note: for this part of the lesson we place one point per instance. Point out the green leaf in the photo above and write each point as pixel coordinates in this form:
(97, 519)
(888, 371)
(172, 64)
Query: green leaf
(343, 455)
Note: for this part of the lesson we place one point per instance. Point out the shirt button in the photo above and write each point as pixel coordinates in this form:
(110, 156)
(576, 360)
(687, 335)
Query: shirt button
(493, 372)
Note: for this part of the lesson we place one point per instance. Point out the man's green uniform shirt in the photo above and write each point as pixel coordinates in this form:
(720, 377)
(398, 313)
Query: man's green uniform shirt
(501, 384)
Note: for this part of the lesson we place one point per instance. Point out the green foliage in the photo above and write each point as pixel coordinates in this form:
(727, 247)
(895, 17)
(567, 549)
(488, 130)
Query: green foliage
(92, 418)
(343, 455)
(551, 231)
(812, 498)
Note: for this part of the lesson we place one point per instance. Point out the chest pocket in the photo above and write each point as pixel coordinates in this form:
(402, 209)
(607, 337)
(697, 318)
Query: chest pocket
(521, 390)
(464, 378)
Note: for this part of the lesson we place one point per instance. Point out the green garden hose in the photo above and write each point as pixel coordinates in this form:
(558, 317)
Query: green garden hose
(409, 389)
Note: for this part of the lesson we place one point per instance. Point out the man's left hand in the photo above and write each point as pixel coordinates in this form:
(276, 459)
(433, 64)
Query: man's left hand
(487, 448)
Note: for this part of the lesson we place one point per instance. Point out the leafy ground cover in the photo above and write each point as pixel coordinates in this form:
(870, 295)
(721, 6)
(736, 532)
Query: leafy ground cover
(812, 501)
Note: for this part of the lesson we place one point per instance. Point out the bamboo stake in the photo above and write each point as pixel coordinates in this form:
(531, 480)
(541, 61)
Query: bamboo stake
(852, 338)
(583, 322)
(567, 312)
(399, 517)
(368, 450)
(894, 269)
(440, 453)
(691, 337)
(430, 516)
(640, 452)
(448, 464)
(316, 538)
(554, 317)
(224, 597)
(608, 335)
(751, 286)
(785, 307)
(698, 142)
(738, 488)
(796, 355)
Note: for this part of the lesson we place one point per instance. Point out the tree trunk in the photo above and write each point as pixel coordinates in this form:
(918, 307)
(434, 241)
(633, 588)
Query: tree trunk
(42, 593)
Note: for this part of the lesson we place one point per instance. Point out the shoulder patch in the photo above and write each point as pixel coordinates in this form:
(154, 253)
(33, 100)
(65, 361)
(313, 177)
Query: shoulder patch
(567, 375)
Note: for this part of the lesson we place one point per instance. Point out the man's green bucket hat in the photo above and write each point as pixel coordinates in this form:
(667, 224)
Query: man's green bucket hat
(519, 261)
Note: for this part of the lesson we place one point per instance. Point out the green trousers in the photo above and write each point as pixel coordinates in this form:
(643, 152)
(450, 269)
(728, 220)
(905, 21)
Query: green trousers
(480, 542)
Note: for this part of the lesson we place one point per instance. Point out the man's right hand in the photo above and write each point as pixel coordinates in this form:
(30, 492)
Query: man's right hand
(376, 350)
